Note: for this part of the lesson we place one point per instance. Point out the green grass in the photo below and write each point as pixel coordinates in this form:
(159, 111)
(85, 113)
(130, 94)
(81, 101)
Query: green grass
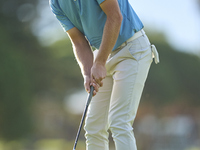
(45, 144)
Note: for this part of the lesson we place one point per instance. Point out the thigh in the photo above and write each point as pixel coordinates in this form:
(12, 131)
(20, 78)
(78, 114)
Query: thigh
(129, 79)
(97, 115)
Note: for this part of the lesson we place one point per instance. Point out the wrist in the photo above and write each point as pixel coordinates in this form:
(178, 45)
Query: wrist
(86, 71)
(102, 56)
(100, 60)
(99, 63)
(86, 75)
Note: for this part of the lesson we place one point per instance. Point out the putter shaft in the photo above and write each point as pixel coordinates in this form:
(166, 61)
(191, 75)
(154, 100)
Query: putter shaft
(84, 114)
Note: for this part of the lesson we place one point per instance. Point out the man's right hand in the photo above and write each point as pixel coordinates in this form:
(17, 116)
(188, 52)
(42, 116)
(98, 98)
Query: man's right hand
(98, 73)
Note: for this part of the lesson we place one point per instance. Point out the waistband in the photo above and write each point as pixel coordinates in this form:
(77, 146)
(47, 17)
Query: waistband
(135, 36)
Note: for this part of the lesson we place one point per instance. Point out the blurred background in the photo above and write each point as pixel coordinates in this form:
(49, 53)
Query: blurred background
(41, 88)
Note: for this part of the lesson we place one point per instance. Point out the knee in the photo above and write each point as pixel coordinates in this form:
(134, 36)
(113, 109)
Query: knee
(93, 129)
(121, 123)
(96, 135)
(120, 128)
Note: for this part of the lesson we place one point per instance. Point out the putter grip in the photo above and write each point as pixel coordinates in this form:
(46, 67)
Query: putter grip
(90, 95)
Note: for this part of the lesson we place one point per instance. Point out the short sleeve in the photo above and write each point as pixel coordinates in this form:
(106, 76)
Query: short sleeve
(62, 18)
(100, 1)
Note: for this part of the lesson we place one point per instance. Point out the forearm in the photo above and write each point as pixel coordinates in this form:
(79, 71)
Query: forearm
(84, 57)
(110, 35)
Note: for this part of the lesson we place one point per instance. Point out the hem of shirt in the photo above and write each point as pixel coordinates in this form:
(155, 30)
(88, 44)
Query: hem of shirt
(67, 29)
(100, 1)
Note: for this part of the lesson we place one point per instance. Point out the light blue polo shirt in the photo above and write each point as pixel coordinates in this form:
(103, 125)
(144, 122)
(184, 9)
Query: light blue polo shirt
(88, 17)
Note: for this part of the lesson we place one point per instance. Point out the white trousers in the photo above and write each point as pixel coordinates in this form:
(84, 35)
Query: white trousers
(115, 105)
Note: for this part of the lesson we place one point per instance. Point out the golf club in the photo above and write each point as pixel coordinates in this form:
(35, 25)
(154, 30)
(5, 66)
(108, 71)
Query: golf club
(84, 113)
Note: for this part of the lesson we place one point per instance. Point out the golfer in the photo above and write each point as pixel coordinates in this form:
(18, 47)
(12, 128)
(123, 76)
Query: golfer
(117, 68)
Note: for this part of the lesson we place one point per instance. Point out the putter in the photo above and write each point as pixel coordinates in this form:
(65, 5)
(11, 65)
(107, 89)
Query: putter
(84, 113)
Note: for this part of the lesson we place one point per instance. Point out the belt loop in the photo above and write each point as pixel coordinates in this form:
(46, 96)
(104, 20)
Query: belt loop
(143, 32)
(125, 43)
